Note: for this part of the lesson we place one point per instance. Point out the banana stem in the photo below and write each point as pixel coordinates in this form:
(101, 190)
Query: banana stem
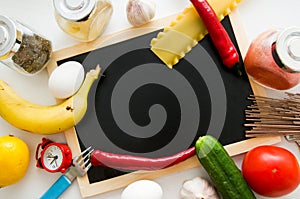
(90, 77)
(79, 101)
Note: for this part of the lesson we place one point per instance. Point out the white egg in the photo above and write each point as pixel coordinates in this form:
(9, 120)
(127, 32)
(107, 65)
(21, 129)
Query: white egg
(66, 79)
(142, 189)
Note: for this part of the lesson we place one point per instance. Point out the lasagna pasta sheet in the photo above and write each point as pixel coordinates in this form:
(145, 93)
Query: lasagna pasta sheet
(186, 31)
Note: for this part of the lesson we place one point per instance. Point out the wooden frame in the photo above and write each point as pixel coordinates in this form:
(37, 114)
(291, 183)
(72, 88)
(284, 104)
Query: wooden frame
(88, 189)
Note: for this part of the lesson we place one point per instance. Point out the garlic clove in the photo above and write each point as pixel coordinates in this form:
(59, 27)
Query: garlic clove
(140, 12)
(198, 188)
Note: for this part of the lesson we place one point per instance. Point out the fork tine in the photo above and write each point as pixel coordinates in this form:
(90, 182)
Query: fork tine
(86, 150)
(89, 153)
(292, 137)
(83, 152)
(83, 159)
(88, 167)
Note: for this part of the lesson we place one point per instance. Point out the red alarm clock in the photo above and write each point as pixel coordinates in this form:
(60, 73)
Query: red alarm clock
(54, 157)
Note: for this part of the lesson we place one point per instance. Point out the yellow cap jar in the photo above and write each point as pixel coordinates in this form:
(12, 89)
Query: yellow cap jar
(21, 48)
(84, 20)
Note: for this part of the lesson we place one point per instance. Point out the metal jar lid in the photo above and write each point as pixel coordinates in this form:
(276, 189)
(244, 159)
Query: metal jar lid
(8, 35)
(74, 9)
(288, 48)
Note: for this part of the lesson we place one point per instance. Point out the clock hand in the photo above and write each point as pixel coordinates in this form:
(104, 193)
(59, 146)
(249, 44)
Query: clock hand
(50, 156)
(55, 163)
(54, 159)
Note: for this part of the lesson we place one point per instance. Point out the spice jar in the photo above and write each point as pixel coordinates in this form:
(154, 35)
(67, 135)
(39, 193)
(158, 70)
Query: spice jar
(84, 20)
(21, 48)
(273, 58)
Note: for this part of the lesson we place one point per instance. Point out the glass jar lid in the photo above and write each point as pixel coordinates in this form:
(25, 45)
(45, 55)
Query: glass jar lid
(74, 9)
(8, 35)
(288, 48)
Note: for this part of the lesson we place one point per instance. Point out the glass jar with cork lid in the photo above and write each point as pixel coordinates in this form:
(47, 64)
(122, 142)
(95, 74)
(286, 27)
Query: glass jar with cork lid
(273, 58)
(21, 48)
(84, 20)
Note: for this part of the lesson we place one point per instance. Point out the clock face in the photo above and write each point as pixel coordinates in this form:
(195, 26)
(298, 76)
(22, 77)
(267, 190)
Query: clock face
(53, 157)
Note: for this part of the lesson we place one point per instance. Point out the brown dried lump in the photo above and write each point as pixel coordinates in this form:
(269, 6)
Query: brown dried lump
(33, 53)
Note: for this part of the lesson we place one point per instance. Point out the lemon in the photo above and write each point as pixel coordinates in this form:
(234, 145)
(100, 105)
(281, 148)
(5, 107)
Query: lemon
(14, 159)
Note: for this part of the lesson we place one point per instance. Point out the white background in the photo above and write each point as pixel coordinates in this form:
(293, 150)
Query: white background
(256, 15)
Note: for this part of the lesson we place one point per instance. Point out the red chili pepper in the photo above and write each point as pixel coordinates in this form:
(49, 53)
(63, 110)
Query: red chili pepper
(219, 36)
(131, 162)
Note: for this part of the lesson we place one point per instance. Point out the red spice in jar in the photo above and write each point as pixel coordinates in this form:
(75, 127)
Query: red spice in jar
(265, 65)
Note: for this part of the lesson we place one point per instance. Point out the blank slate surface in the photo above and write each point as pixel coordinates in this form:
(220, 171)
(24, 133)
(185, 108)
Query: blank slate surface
(141, 107)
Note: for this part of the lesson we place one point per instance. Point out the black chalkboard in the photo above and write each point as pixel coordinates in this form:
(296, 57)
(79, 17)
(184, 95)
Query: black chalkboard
(141, 107)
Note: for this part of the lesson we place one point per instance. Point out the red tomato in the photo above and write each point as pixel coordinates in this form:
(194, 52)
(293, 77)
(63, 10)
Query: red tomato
(271, 171)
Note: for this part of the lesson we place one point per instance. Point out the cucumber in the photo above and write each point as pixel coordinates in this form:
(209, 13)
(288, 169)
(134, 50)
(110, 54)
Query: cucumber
(222, 170)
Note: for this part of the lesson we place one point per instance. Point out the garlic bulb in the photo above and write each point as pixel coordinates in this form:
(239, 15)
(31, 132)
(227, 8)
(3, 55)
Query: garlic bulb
(140, 12)
(198, 188)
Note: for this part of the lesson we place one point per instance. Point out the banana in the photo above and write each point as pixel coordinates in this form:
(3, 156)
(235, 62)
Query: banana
(41, 119)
